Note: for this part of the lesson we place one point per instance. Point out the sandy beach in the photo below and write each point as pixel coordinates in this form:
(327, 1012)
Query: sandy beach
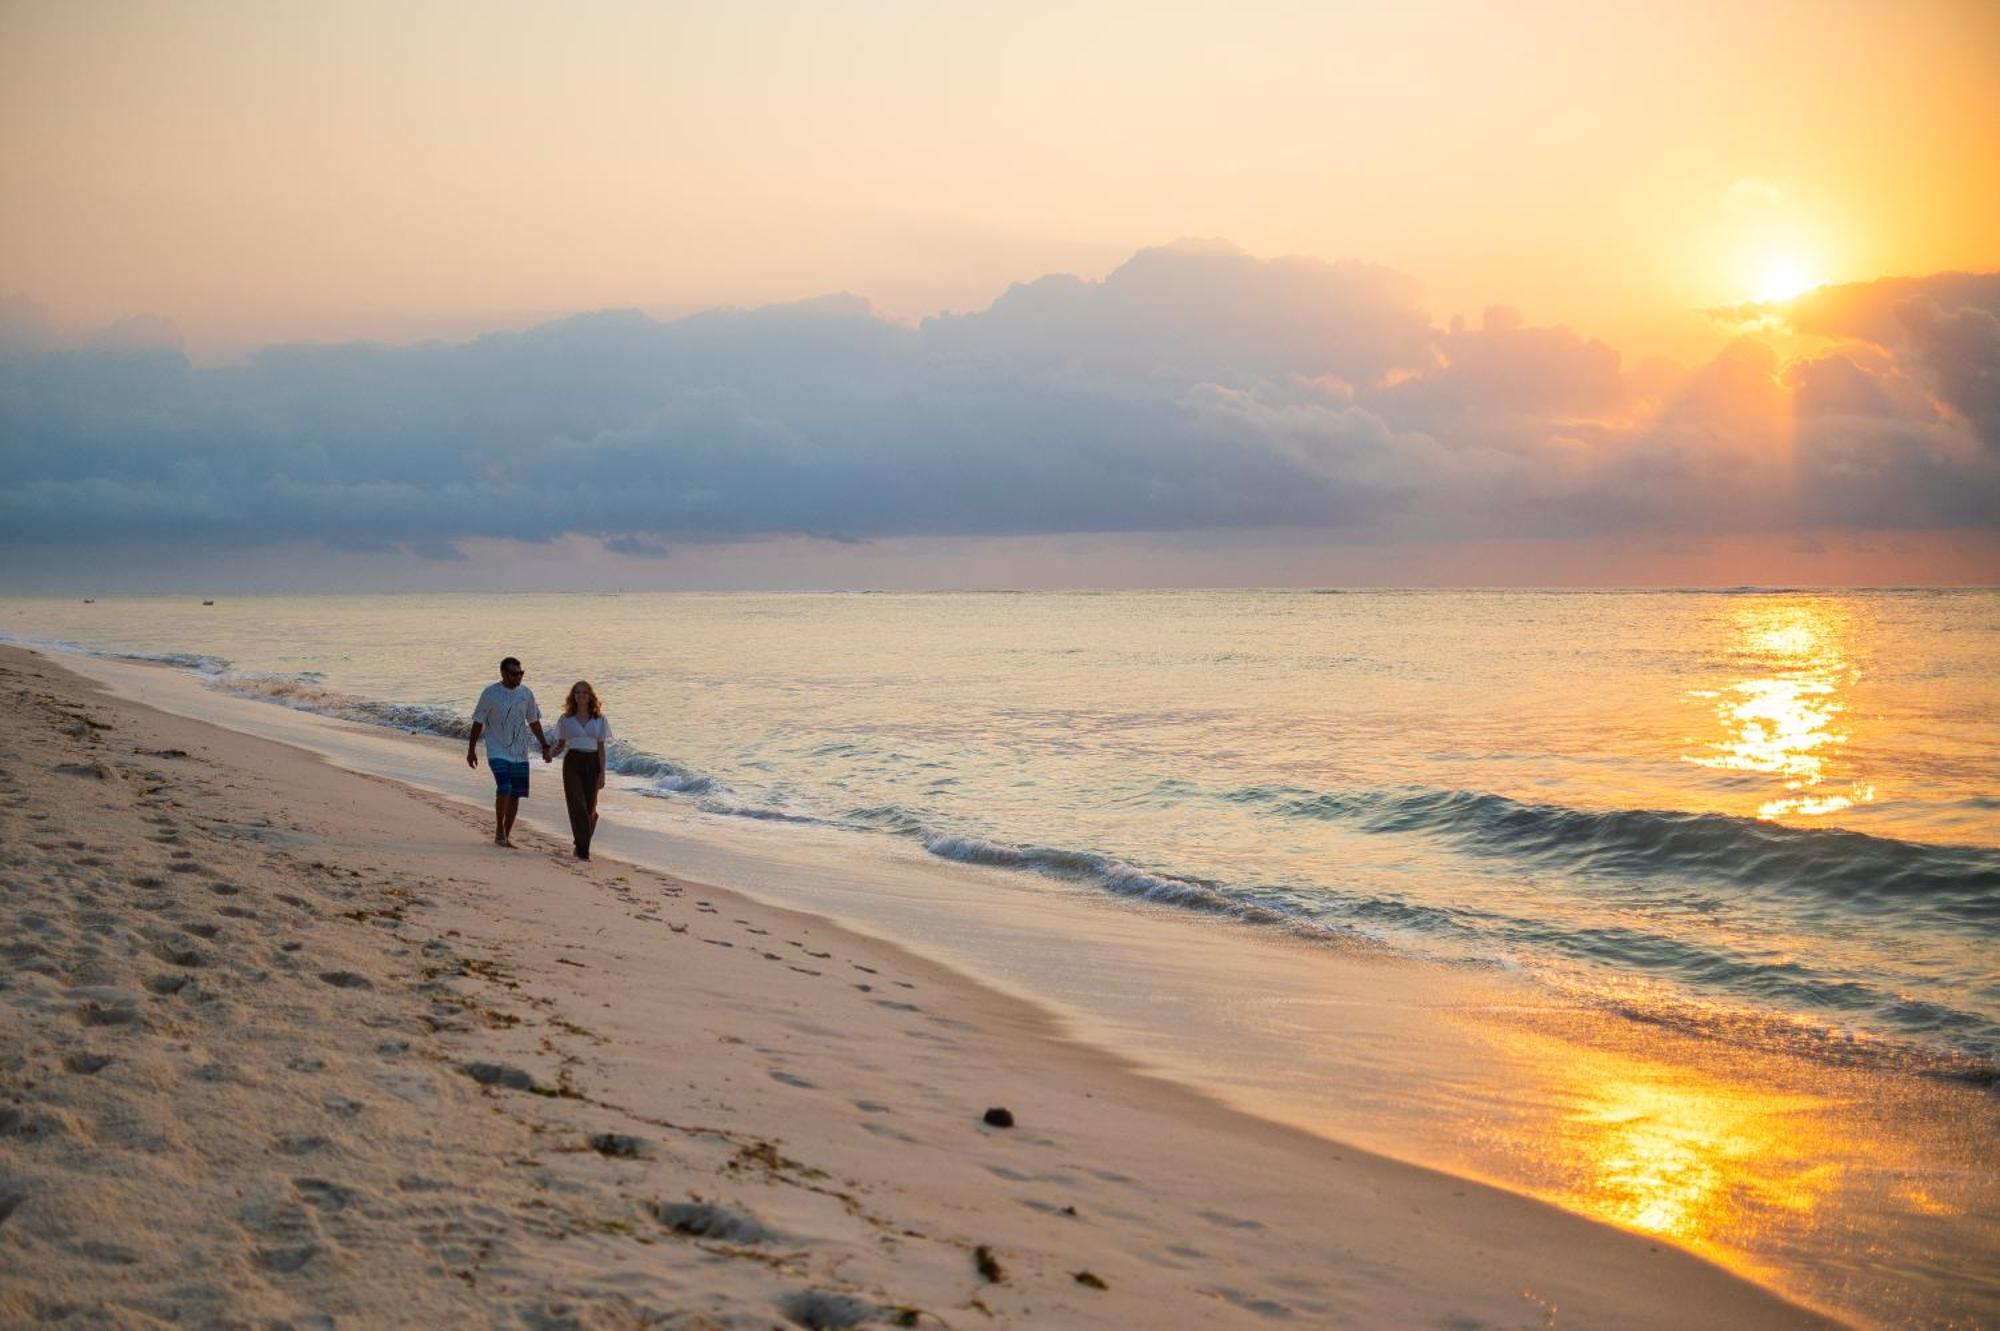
(288, 1046)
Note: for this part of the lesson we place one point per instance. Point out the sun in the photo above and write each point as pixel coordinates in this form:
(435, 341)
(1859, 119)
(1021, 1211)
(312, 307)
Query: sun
(1782, 277)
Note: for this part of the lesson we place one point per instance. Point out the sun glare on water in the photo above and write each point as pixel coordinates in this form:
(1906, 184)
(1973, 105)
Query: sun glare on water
(1785, 721)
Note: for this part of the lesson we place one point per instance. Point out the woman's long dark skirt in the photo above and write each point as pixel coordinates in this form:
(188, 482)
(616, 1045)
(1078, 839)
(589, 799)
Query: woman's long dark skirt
(580, 794)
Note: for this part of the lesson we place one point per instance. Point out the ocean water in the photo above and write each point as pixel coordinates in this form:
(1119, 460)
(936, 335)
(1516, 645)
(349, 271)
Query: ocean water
(1771, 814)
(1745, 846)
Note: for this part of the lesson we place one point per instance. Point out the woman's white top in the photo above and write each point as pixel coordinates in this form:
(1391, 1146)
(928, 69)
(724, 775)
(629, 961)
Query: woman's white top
(584, 736)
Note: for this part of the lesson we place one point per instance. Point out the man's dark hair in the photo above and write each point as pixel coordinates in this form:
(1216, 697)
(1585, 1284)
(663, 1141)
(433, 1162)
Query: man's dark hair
(509, 663)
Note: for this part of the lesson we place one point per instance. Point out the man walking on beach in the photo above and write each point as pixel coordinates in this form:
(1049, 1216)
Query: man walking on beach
(506, 714)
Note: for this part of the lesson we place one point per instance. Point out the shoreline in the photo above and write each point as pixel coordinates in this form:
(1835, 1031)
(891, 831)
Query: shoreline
(884, 1205)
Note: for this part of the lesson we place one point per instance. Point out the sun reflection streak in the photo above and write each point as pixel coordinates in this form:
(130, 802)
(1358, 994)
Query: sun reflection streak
(1785, 722)
(1701, 1156)
(1687, 1160)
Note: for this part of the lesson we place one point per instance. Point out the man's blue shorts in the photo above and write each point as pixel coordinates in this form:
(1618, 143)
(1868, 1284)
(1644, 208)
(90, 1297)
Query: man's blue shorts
(509, 777)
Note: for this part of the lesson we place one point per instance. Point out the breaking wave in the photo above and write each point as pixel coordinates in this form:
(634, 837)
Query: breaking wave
(1854, 870)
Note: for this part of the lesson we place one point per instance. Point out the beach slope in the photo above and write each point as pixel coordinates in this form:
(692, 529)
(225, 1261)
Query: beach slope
(281, 1045)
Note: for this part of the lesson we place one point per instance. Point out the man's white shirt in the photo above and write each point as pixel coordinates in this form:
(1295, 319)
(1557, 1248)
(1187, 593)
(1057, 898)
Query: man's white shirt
(506, 714)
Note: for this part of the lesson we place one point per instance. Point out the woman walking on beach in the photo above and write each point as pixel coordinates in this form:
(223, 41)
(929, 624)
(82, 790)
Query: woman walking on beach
(582, 735)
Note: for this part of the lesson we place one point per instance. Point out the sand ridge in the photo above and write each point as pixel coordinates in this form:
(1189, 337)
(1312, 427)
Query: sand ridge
(285, 1046)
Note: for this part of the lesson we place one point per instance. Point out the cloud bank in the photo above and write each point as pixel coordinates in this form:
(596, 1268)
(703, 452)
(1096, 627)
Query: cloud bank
(1194, 389)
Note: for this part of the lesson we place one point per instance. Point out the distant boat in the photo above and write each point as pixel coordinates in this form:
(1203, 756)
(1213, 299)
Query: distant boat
(88, 601)
(208, 603)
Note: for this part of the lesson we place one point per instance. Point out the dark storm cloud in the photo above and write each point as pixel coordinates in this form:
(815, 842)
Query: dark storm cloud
(1194, 388)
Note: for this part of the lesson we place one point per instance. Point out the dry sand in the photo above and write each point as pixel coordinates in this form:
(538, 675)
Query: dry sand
(284, 1046)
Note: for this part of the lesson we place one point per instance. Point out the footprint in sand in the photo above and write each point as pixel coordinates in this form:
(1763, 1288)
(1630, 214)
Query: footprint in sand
(788, 1079)
(111, 1254)
(324, 1196)
(346, 980)
(500, 1074)
(179, 956)
(818, 1310)
(1228, 1221)
(286, 1261)
(1049, 1208)
(705, 1220)
(619, 1145)
(892, 1134)
(1261, 1306)
(300, 1144)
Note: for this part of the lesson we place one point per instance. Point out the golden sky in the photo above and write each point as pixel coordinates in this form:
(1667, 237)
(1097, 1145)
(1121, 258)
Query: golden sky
(264, 171)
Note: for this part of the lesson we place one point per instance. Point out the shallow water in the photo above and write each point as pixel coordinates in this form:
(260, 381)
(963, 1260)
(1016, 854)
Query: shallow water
(1762, 829)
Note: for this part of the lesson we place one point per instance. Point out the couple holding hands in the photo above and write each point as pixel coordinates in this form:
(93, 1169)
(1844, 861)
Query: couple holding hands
(507, 716)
